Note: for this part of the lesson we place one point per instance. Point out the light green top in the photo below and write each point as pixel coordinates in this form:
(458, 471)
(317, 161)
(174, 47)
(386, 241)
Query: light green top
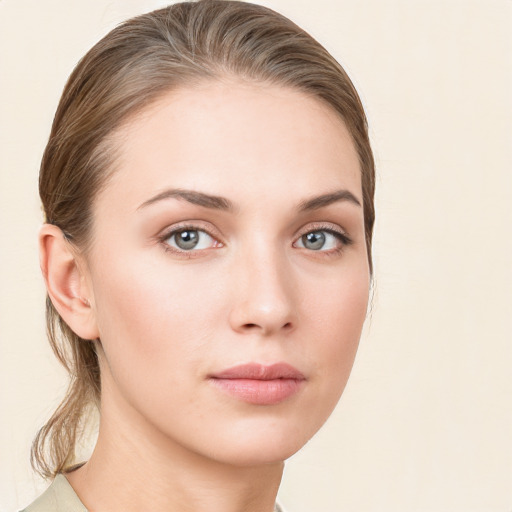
(60, 497)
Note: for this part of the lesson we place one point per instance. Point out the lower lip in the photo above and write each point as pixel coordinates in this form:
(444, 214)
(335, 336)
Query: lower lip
(259, 392)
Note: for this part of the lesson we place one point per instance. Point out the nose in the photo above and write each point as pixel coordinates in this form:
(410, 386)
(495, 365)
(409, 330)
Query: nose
(264, 295)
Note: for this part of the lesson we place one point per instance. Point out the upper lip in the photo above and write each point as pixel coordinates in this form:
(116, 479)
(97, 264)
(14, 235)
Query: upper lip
(256, 371)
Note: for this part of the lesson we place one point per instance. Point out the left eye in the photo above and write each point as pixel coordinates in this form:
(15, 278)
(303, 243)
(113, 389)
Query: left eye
(189, 239)
(320, 240)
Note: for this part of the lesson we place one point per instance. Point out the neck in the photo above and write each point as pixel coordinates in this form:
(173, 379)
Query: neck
(134, 468)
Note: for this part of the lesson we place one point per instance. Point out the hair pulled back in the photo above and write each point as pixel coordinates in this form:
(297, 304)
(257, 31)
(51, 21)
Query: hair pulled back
(132, 66)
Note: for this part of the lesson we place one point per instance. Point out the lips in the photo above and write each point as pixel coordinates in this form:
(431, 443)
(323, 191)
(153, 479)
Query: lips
(259, 384)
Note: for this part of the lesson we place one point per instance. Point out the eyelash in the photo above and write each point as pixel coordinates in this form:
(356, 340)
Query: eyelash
(341, 236)
(180, 228)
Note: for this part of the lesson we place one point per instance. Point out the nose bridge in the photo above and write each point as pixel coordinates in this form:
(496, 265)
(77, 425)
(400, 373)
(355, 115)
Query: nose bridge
(264, 298)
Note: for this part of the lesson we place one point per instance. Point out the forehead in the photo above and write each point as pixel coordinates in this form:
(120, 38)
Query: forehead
(234, 139)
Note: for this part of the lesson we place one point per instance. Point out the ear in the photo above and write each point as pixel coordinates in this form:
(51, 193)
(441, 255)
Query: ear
(66, 282)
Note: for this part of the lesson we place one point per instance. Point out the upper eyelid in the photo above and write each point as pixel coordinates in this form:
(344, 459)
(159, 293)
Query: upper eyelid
(192, 225)
(321, 226)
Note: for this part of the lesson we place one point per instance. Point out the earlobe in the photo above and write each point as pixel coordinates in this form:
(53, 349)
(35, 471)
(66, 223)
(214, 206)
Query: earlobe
(65, 282)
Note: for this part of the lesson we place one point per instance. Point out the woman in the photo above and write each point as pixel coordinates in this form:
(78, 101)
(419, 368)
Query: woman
(208, 192)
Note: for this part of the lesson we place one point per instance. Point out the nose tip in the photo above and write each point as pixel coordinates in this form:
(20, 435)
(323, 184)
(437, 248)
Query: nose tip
(247, 318)
(264, 303)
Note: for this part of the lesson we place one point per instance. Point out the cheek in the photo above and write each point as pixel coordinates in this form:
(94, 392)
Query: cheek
(338, 314)
(153, 319)
(156, 328)
(338, 307)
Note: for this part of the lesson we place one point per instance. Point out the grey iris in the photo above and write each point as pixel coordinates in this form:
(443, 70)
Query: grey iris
(187, 239)
(314, 240)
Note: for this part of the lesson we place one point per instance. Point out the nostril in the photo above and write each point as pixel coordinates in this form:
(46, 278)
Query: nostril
(287, 326)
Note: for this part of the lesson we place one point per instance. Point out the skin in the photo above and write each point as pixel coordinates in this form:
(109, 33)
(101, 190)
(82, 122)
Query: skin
(254, 291)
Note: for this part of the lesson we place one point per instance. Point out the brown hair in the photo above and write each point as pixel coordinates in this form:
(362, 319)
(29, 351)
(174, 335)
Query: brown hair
(129, 68)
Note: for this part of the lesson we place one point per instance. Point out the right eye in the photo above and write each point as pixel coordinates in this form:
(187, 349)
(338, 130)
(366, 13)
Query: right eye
(189, 239)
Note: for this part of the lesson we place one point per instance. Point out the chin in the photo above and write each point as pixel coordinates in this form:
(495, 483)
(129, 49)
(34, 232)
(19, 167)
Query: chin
(256, 455)
(260, 443)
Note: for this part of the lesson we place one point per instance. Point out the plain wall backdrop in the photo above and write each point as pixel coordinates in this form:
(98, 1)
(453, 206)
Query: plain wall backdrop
(425, 423)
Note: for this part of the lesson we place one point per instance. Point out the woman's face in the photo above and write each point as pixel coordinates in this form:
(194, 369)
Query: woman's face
(228, 274)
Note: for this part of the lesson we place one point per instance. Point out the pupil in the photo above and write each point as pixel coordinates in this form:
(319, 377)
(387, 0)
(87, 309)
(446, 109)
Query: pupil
(187, 239)
(315, 240)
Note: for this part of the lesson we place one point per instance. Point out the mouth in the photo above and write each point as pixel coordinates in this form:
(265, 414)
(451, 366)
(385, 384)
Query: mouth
(258, 384)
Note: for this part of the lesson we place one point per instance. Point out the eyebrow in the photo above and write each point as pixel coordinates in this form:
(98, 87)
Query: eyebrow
(194, 197)
(221, 203)
(326, 199)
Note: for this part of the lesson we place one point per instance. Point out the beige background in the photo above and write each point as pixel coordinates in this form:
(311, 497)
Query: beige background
(426, 421)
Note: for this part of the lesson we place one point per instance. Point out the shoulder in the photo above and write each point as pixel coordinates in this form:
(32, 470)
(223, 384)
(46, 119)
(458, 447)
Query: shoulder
(59, 497)
(279, 508)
